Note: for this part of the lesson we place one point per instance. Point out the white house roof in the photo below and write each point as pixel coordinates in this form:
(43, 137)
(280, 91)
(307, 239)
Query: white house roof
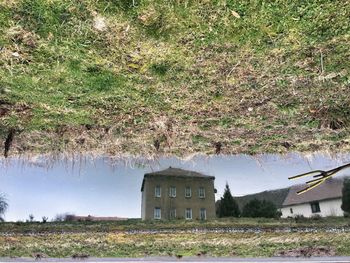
(330, 189)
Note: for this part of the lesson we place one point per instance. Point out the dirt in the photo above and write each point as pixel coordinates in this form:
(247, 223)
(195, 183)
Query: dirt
(307, 252)
(4, 108)
(3, 111)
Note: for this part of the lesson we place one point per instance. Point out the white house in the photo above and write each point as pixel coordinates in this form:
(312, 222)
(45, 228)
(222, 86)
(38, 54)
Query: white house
(323, 200)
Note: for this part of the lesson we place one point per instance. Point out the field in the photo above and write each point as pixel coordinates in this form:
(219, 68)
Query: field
(174, 77)
(179, 238)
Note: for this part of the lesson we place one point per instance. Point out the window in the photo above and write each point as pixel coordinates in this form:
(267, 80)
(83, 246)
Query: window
(315, 207)
(291, 210)
(203, 214)
(188, 213)
(201, 192)
(157, 191)
(172, 191)
(172, 213)
(157, 213)
(188, 191)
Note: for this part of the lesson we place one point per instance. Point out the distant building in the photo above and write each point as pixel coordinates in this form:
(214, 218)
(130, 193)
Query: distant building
(176, 193)
(323, 200)
(94, 218)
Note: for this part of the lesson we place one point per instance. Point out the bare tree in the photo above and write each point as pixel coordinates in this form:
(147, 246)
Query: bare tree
(31, 218)
(3, 207)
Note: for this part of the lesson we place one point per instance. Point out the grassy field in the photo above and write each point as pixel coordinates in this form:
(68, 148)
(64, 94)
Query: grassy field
(106, 76)
(137, 224)
(140, 245)
(111, 239)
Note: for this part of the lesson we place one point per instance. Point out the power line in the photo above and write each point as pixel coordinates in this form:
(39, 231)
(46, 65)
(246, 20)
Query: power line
(320, 175)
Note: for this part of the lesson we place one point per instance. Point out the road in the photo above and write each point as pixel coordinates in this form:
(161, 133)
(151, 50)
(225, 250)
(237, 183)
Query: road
(182, 260)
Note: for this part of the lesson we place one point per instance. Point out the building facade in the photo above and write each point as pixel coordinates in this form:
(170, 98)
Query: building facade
(323, 200)
(331, 207)
(177, 194)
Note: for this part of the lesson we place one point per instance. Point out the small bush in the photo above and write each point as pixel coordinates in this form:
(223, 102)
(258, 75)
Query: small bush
(316, 217)
(300, 218)
(257, 208)
(64, 217)
(69, 217)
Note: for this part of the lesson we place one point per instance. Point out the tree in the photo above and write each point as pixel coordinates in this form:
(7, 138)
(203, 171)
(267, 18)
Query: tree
(31, 218)
(346, 196)
(3, 207)
(227, 205)
(257, 208)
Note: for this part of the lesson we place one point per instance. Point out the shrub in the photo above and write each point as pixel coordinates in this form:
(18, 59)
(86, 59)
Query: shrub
(316, 217)
(257, 208)
(300, 218)
(69, 217)
(58, 218)
(64, 217)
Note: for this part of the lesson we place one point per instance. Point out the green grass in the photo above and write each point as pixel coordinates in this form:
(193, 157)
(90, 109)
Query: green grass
(137, 224)
(141, 245)
(109, 239)
(187, 71)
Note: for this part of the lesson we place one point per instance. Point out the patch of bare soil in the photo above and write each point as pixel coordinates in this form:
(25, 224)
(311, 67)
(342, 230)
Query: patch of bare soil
(307, 252)
(4, 107)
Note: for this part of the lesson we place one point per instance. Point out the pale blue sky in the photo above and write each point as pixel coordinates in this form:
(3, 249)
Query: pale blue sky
(101, 189)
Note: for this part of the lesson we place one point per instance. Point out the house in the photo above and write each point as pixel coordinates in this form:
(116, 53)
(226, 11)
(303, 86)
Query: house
(176, 193)
(323, 200)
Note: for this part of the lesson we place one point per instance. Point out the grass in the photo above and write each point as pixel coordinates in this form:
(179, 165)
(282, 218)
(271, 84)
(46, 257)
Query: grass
(186, 73)
(141, 245)
(137, 224)
(109, 239)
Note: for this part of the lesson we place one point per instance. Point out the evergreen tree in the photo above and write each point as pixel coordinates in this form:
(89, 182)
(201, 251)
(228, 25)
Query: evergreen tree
(346, 196)
(228, 206)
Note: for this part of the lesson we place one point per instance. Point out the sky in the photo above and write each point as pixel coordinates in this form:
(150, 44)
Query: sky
(100, 186)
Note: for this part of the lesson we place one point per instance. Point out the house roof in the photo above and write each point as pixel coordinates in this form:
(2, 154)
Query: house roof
(330, 189)
(176, 172)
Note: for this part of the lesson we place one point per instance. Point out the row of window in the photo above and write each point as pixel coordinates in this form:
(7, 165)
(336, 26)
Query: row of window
(172, 191)
(315, 208)
(172, 214)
